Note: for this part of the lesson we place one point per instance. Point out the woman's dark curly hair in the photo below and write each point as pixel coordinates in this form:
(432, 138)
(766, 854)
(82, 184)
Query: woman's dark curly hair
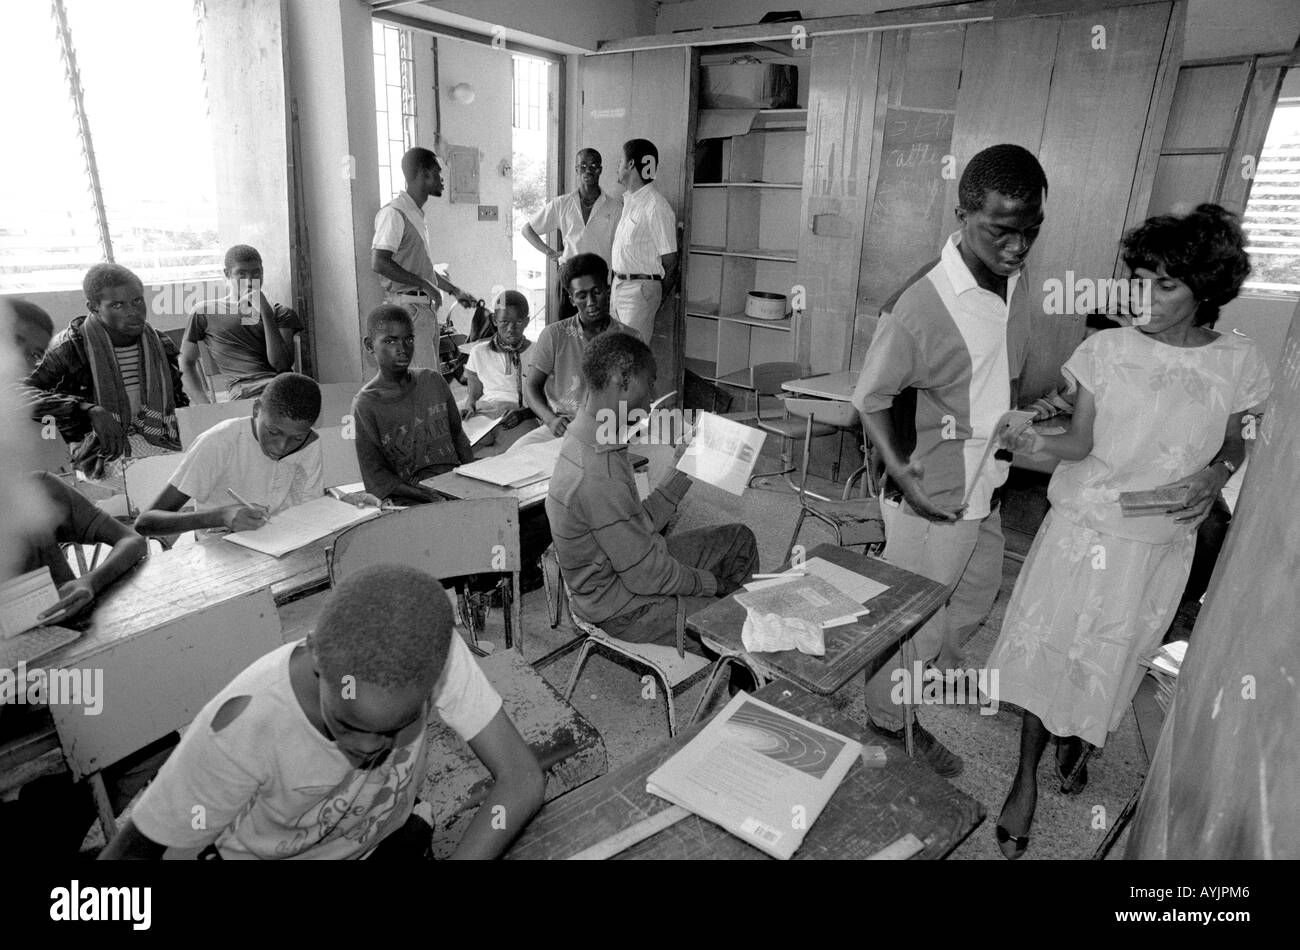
(1205, 250)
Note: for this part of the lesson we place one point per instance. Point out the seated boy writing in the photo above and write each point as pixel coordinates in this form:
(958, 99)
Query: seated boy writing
(621, 572)
(553, 383)
(495, 371)
(249, 337)
(317, 750)
(407, 423)
(242, 471)
(110, 380)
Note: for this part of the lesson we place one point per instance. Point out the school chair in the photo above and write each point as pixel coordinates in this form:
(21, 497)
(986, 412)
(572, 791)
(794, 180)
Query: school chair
(860, 514)
(766, 380)
(193, 421)
(216, 384)
(145, 479)
(451, 539)
(671, 667)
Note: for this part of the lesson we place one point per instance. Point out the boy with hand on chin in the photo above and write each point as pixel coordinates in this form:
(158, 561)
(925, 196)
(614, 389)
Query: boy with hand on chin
(317, 750)
(407, 422)
(271, 460)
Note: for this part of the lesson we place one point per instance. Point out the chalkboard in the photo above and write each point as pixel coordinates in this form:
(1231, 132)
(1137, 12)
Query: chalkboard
(907, 220)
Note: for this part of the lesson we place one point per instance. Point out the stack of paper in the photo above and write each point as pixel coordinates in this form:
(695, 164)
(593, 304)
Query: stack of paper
(759, 772)
(1163, 666)
(853, 587)
(477, 427)
(294, 528)
(520, 466)
(24, 598)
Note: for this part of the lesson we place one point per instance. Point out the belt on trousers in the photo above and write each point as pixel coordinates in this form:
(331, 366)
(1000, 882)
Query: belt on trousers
(639, 276)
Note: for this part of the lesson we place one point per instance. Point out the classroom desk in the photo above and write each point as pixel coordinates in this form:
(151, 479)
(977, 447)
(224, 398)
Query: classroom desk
(872, 808)
(910, 601)
(167, 638)
(458, 487)
(826, 386)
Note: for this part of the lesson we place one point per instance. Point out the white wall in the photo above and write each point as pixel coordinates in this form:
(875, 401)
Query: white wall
(479, 253)
(332, 78)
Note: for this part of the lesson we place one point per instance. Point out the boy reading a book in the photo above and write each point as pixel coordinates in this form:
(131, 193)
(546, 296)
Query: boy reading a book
(407, 422)
(317, 750)
(249, 337)
(242, 471)
(621, 571)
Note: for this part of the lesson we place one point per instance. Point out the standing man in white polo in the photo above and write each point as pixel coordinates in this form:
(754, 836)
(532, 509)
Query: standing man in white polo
(585, 218)
(645, 242)
(399, 254)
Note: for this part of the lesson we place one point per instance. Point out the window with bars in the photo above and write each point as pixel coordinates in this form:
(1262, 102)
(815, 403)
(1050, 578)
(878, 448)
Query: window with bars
(530, 93)
(394, 104)
(1272, 219)
(110, 151)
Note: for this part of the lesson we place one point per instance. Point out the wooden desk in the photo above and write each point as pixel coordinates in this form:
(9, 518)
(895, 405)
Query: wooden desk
(458, 487)
(872, 808)
(910, 601)
(829, 386)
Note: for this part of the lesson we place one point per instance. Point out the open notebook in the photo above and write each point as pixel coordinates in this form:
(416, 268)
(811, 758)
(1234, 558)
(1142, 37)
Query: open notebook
(294, 528)
(519, 467)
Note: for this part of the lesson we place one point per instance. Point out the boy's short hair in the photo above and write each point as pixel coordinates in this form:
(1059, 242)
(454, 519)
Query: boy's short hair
(1006, 169)
(511, 299)
(242, 254)
(417, 160)
(27, 312)
(637, 151)
(584, 265)
(386, 313)
(293, 396)
(588, 150)
(612, 355)
(102, 276)
(388, 625)
(1206, 250)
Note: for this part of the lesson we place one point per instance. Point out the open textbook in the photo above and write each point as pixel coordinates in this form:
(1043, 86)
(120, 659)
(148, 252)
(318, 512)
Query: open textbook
(722, 453)
(297, 527)
(761, 773)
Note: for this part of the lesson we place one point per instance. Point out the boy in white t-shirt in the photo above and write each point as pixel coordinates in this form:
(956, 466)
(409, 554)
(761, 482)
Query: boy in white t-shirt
(317, 750)
(494, 373)
(272, 461)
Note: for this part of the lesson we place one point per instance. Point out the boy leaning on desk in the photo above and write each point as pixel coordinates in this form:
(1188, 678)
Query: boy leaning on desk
(242, 471)
(317, 750)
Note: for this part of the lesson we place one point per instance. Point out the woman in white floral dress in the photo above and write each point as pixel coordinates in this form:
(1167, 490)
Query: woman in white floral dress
(1159, 405)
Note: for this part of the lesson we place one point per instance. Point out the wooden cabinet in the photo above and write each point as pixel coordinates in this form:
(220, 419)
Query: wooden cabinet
(743, 237)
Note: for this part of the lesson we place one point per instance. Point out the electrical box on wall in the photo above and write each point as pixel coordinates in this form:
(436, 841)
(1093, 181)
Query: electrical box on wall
(487, 212)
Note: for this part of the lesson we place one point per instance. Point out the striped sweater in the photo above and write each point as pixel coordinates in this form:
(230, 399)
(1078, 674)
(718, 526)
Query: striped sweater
(611, 552)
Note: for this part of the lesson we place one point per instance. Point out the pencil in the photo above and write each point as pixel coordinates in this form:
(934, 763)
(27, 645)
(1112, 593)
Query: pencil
(235, 495)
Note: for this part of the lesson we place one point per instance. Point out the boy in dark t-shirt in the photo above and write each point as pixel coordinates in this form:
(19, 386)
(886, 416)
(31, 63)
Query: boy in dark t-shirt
(249, 337)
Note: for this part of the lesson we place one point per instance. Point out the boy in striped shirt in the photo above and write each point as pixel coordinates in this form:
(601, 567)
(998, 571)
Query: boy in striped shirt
(957, 338)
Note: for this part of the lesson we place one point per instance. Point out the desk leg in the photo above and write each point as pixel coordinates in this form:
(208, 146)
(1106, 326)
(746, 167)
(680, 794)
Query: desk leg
(908, 653)
(103, 805)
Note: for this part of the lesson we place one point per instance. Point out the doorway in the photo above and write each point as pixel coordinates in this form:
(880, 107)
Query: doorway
(534, 131)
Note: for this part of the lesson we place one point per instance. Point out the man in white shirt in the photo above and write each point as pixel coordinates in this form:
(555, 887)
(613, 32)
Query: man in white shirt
(645, 242)
(585, 218)
(399, 254)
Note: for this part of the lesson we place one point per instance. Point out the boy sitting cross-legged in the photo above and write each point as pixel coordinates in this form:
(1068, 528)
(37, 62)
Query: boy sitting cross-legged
(272, 460)
(317, 749)
(407, 423)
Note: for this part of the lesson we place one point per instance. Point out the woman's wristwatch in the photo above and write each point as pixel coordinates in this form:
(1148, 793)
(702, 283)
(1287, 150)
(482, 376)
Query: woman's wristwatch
(1226, 463)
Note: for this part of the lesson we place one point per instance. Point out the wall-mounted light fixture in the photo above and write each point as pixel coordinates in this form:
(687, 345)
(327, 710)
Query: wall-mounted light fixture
(463, 93)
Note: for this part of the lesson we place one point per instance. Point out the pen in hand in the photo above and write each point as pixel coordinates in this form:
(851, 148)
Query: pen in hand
(266, 515)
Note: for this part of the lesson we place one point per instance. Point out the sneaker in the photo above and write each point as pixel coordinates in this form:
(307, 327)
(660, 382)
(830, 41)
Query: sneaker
(937, 756)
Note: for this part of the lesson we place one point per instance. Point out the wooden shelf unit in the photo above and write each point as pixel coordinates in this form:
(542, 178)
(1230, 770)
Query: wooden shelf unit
(742, 235)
